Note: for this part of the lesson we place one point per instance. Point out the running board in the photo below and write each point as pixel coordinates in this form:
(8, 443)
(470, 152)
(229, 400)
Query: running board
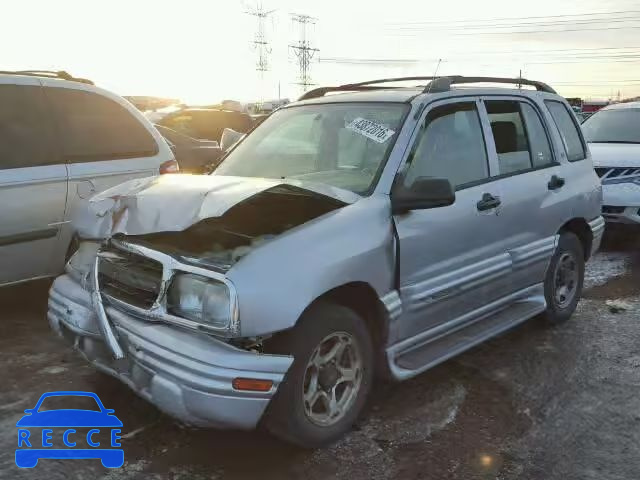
(413, 356)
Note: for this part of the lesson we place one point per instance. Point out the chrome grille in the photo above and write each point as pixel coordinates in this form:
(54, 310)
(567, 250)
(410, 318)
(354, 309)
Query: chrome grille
(129, 277)
(617, 172)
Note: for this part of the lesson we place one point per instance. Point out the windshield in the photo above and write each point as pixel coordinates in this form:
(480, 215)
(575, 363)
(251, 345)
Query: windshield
(344, 145)
(613, 126)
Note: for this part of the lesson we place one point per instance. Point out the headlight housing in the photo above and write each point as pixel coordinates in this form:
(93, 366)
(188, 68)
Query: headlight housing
(208, 302)
(81, 262)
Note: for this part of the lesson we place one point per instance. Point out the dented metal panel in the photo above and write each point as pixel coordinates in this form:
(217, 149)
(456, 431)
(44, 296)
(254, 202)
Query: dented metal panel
(175, 202)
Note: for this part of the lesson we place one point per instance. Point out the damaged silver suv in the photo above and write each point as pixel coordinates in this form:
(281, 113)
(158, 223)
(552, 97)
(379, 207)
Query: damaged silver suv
(377, 231)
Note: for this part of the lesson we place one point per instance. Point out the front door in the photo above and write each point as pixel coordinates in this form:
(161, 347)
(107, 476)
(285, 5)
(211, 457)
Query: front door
(33, 183)
(453, 259)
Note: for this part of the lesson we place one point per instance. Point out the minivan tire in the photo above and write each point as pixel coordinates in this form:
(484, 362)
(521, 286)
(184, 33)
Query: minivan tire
(322, 326)
(566, 267)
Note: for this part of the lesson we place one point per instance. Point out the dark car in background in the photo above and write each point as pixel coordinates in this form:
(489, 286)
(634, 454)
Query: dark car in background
(193, 155)
(207, 123)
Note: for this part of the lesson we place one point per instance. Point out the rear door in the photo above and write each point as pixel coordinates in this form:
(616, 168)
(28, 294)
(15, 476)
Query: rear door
(535, 202)
(33, 183)
(102, 140)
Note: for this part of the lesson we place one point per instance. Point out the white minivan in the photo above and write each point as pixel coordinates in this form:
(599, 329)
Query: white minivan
(61, 140)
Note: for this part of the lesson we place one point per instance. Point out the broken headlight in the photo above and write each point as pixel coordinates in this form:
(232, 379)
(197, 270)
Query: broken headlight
(202, 300)
(79, 265)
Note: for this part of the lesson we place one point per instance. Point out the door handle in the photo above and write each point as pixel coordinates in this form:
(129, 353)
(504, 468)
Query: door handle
(488, 202)
(555, 183)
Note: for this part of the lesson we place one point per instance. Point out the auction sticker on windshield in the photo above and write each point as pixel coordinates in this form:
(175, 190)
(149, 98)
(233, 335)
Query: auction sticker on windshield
(374, 131)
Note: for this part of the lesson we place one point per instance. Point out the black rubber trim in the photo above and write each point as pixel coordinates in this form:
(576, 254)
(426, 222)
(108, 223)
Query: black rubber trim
(28, 237)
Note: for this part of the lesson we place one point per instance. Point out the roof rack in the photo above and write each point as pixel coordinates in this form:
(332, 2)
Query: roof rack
(360, 86)
(435, 85)
(443, 84)
(61, 74)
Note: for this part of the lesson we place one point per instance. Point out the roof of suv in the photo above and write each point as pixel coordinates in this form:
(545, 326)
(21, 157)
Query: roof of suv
(381, 91)
(396, 95)
(60, 74)
(406, 95)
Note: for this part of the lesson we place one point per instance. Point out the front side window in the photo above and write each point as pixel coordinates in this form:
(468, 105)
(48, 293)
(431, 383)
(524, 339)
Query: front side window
(344, 145)
(450, 145)
(568, 128)
(23, 138)
(613, 126)
(93, 127)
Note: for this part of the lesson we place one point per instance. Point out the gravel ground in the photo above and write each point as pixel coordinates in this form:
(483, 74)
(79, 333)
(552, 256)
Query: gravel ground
(535, 403)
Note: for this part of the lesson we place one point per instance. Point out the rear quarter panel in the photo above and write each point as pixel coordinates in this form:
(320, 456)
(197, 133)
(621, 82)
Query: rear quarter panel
(583, 190)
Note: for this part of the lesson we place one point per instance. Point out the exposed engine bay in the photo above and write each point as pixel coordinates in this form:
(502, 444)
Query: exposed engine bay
(221, 241)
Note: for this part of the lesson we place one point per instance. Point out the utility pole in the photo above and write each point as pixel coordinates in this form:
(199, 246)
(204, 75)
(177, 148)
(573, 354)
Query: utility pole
(303, 50)
(260, 42)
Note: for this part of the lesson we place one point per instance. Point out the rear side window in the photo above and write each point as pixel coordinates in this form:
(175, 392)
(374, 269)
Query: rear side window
(509, 135)
(93, 127)
(23, 135)
(568, 129)
(538, 140)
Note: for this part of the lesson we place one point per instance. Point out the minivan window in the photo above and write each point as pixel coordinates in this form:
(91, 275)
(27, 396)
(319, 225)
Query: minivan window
(343, 145)
(509, 135)
(450, 145)
(92, 127)
(23, 135)
(568, 128)
(613, 126)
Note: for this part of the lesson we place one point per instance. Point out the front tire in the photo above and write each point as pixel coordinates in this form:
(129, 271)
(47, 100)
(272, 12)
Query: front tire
(329, 381)
(564, 279)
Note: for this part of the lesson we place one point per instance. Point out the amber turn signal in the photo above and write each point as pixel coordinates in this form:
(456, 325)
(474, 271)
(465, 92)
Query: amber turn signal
(252, 384)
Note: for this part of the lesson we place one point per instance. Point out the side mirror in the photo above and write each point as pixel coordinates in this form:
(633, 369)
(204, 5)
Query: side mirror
(425, 192)
(229, 138)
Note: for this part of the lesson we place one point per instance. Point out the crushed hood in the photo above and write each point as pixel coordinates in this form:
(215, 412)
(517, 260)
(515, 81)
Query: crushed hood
(615, 155)
(173, 203)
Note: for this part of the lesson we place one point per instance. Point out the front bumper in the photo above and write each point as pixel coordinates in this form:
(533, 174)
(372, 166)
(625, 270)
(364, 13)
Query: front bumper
(185, 374)
(621, 203)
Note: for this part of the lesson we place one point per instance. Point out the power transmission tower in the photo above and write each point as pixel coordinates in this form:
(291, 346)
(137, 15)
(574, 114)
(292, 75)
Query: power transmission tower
(303, 50)
(260, 42)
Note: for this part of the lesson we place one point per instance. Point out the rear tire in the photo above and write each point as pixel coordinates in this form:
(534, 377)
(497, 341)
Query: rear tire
(322, 394)
(564, 280)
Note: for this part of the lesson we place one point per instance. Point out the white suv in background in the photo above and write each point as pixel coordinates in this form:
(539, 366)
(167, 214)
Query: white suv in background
(62, 140)
(613, 134)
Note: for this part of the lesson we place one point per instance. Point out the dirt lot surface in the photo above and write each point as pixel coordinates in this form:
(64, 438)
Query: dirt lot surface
(536, 403)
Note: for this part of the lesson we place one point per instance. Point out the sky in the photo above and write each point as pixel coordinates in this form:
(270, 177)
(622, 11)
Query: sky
(202, 51)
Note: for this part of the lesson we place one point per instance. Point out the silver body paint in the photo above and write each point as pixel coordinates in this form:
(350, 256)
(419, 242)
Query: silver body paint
(445, 278)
